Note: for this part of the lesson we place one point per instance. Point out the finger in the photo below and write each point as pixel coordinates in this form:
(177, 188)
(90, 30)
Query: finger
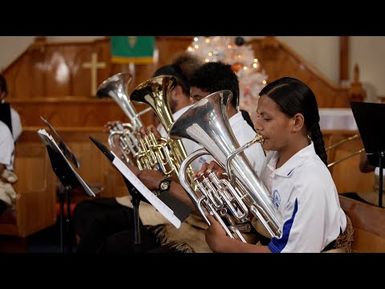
(153, 129)
(201, 171)
(216, 168)
(211, 219)
(134, 169)
(142, 131)
(212, 167)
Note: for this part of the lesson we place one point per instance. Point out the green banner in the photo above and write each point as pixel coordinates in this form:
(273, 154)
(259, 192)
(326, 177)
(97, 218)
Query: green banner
(132, 49)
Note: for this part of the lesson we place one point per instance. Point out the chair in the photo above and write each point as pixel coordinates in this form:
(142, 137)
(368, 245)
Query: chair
(36, 196)
(369, 225)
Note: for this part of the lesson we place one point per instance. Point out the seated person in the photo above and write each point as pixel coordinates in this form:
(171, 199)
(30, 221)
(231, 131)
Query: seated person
(7, 113)
(7, 177)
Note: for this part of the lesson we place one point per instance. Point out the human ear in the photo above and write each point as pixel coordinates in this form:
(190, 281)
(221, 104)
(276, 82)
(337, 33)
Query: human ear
(298, 122)
(175, 93)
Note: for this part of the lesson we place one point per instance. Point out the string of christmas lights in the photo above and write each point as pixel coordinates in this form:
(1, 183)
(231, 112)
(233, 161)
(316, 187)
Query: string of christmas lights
(234, 51)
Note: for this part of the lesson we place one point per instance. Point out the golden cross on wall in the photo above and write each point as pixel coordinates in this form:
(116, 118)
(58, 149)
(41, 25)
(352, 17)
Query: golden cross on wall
(94, 65)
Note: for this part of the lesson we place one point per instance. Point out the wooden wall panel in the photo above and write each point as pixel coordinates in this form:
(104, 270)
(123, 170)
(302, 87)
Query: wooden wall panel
(72, 111)
(55, 69)
(279, 60)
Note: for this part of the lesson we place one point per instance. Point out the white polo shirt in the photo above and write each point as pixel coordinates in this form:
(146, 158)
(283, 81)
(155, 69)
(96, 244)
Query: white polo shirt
(189, 145)
(16, 124)
(304, 192)
(6, 146)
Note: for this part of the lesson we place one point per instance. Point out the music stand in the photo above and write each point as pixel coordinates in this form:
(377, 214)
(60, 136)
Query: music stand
(172, 209)
(69, 180)
(136, 196)
(370, 119)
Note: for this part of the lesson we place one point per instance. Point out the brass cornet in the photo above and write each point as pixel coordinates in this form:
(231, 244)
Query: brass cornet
(233, 200)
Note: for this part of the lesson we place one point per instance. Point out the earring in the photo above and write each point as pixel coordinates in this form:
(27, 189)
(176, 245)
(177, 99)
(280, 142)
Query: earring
(309, 138)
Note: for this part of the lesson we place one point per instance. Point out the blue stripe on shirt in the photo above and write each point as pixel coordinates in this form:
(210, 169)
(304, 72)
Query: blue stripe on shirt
(277, 245)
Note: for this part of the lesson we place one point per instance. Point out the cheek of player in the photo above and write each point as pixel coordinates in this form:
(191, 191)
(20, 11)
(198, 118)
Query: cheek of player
(272, 124)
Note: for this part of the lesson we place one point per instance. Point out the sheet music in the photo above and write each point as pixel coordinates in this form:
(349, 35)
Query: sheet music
(50, 141)
(155, 201)
(65, 149)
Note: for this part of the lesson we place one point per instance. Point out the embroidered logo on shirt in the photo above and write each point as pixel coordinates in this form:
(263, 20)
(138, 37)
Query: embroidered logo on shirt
(276, 198)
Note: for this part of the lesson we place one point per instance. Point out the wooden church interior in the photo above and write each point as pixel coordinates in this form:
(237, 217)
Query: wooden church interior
(36, 89)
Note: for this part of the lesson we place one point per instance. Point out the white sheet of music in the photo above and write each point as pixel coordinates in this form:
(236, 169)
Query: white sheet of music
(155, 201)
(49, 140)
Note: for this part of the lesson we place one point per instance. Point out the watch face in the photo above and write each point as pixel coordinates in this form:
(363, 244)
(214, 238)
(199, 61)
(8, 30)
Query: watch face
(164, 185)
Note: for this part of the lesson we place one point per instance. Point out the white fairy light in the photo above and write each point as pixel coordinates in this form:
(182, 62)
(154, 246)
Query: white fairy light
(252, 78)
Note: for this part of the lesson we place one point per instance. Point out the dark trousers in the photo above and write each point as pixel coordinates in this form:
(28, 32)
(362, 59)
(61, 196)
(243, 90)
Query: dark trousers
(3, 207)
(105, 226)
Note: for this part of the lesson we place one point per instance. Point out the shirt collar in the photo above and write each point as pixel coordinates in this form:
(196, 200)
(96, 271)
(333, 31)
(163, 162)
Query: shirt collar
(179, 112)
(235, 118)
(295, 161)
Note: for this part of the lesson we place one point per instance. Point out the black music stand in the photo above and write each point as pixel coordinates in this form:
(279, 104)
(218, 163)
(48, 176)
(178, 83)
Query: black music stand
(136, 196)
(69, 180)
(370, 119)
(179, 209)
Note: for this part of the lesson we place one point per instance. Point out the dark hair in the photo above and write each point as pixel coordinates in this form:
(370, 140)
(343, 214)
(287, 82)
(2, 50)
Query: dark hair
(3, 84)
(182, 67)
(188, 63)
(174, 71)
(293, 96)
(214, 76)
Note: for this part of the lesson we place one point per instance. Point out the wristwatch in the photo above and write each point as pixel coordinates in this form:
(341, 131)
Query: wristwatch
(165, 184)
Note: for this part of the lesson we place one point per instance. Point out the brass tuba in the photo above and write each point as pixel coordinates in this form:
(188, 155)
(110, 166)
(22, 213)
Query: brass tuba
(167, 153)
(116, 87)
(229, 200)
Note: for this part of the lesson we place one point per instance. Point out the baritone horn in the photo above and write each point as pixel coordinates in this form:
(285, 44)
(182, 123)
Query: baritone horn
(167, 153)
(229, 200)
(117, 87)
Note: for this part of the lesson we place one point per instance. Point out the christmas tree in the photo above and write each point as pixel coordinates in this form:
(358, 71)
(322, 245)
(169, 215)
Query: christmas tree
(234, 51)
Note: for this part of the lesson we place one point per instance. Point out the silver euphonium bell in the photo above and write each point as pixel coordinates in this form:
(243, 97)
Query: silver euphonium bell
(167, 153)
(229, 200)
(116, 87)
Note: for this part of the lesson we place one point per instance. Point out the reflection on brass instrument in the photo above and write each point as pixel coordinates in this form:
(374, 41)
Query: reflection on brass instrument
(332, 164)
(353, 137)
(348, 139)
(232, 199)
(167, 154)
(116, 87)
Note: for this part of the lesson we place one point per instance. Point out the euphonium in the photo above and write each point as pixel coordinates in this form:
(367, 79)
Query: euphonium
(167, 153)
(228, 200)
(116, 87)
